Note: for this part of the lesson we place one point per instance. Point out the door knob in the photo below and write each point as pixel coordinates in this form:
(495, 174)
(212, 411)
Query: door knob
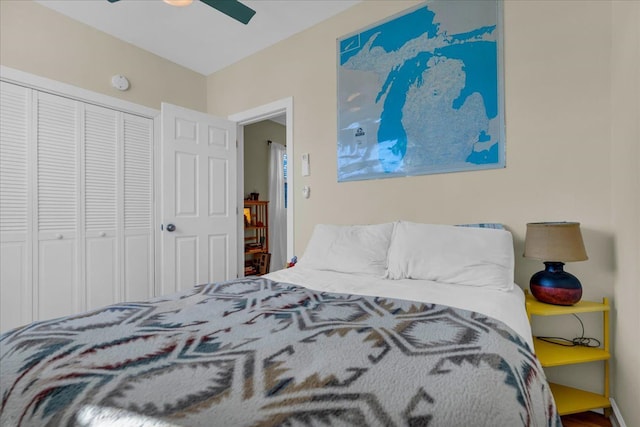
(171, 227)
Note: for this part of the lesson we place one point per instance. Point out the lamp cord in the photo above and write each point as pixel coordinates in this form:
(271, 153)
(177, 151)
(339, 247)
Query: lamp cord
(578, 341)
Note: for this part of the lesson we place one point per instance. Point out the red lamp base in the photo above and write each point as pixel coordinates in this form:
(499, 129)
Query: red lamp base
(553, 285)
(557, 296)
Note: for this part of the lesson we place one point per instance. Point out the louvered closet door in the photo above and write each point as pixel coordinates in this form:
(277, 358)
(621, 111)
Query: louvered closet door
(57, 207)
(76, 206)
(118, 200)
(100, 150)
(138, 244)
(15, 222)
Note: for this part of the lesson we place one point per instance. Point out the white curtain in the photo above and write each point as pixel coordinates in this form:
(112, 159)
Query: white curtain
(277, 211)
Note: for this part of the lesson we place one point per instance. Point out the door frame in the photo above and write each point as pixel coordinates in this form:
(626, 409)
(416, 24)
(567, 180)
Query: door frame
(258, 114)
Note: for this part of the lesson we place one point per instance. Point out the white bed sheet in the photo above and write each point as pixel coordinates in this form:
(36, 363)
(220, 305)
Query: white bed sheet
(506, 306)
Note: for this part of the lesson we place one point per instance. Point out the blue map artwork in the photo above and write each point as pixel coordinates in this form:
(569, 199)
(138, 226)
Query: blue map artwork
(421, 93)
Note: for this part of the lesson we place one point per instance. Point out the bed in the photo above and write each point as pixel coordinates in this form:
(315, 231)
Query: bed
(377, 325)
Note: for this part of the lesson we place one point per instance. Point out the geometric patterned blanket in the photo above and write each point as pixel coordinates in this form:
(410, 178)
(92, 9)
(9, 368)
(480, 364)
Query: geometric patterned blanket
(253, 352)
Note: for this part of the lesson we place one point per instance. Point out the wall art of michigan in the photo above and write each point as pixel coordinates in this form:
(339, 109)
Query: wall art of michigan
(422, 92)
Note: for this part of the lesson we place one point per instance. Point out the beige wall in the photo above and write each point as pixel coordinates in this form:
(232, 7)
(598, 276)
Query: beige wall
(571, 77)
(256, 155)
(40, 41)
(625, 197)
(563, 153)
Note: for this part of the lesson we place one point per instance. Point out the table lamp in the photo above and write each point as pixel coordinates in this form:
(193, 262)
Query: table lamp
(555, 243)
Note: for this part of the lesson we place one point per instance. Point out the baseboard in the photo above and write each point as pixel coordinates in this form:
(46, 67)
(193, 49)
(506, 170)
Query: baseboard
(616, 418)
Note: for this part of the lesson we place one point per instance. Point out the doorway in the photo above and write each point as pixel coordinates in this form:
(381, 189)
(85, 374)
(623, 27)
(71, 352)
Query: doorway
(282, 111)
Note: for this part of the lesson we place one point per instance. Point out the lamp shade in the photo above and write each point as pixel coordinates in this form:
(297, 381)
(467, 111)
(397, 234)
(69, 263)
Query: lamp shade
(554, 241)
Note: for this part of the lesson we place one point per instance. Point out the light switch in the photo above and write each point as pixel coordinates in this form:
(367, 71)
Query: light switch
(305, 164)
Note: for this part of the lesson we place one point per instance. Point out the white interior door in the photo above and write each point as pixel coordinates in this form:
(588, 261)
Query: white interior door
(199, 201)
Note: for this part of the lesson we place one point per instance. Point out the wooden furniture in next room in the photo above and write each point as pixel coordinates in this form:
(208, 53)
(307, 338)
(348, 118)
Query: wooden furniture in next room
(256, 237)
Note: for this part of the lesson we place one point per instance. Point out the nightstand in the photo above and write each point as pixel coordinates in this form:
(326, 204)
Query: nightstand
(571, 400)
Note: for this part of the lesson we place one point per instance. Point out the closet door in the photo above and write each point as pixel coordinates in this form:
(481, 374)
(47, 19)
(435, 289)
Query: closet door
(100, 153)
(138, 246)
(76, 206)
(57, 207)
(15, 205)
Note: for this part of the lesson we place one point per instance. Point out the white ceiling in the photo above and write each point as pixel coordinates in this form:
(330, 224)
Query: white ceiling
(199, 37)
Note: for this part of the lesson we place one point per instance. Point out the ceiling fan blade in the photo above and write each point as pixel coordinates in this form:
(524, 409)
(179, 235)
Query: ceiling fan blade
(232, 8)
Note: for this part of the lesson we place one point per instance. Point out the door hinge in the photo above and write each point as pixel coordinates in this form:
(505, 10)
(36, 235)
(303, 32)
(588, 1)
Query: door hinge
(161, 227)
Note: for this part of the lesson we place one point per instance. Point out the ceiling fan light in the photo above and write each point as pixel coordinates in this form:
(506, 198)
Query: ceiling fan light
(178, 3)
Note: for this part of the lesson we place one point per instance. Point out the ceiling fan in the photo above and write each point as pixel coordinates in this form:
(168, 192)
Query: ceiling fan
(232, 8)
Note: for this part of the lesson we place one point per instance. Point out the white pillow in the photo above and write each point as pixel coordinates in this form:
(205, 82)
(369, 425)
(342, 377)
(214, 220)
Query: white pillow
(450, 254)
(349, 248)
